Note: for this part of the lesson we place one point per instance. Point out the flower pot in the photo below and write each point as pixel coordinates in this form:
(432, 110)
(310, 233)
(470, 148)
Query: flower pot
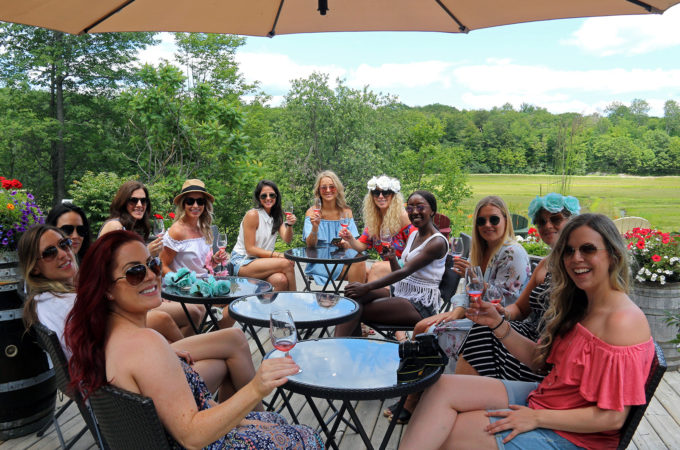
(655, 299)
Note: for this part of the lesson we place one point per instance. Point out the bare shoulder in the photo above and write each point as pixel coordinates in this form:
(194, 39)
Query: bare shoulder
(626, 324)
(111, 225)
(348, 211)
(252, 218)
(175, 232)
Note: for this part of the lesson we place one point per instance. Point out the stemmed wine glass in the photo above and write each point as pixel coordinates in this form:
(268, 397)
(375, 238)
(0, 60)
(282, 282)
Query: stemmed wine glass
(222, 245)
(494, 294)
(282, 331)
(457, 247)
(474, 283)
(385, 238)
(158, 227)
(344, 220)
(288, 209)
(316, 207)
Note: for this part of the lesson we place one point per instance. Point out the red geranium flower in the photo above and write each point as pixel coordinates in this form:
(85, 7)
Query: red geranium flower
(17, 184)
(630, 245)
(6, 184)
(656, 258)
(158, 216)
(665, 238)
(532, 230)
(171, 215)
(641, 244)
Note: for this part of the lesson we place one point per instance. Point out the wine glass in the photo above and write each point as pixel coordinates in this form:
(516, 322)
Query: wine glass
(316, 207)
(494, 294)
(288, 209)
(344, 220)
(282, 331)
(457, 247)
(158, 227)
(385, 238)
(474, 283)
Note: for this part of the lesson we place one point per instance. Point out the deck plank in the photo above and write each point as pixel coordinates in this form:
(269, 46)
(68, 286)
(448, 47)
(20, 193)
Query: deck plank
(665, 427)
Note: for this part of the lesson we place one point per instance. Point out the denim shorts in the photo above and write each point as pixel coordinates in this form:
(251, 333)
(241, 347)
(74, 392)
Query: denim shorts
(237, 260)
(539, 438)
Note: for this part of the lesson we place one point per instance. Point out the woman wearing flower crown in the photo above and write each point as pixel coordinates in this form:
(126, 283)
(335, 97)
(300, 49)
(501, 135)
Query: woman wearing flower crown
(482, 353)
(384, 213)
(323, 224)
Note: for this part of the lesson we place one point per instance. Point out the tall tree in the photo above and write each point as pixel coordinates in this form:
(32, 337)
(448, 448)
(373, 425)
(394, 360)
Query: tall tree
(63, 64)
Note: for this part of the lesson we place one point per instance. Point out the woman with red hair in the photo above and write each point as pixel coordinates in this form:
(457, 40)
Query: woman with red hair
(106, 332)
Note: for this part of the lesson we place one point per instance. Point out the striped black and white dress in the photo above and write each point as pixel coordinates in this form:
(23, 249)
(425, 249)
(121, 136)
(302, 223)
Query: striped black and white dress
(488, 355)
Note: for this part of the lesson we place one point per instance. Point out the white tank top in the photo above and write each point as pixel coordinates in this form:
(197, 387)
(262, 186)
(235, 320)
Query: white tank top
(263, 235)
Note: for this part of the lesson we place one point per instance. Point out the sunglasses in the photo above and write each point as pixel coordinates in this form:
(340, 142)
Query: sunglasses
(420, 208)
(80, 229)
(51, 252)
(329, 188)
(136, 274)
(133, 201)
(556, 220)
(270, 195)
(584, 250)
(493, 220)
(377, 192)
(189, 201)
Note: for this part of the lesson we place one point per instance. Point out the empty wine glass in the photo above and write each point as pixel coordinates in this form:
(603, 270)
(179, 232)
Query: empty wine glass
(158, 227)
(457, 247)
(494, 294)
(282, 331)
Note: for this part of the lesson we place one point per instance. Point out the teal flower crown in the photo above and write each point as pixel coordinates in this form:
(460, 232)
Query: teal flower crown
(553, 203)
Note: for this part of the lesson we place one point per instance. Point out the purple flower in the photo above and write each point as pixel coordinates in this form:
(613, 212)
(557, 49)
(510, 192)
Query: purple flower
(13, 193)
(21, 229)
(5, 241)
(30, 196)
(10, 233)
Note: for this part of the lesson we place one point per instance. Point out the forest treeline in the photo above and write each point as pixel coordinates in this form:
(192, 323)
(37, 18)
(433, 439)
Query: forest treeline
(78, 116)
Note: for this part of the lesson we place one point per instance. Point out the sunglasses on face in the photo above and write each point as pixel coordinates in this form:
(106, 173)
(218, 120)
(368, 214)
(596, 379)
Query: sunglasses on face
(51, 252)
(329, 188)
(80, 229)
(137, 273)
(556, 220)
(493, 220)
(189, 201)
(411, 209)
(584, 250)
(133, 201)
(377, 192)
(270, 195)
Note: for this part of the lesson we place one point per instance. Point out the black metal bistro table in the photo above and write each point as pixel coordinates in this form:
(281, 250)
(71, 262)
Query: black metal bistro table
(330, 256)
(240, 287)
(310, 311)
(350, 369)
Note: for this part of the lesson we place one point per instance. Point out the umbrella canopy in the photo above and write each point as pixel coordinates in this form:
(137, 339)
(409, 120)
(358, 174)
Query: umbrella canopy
(270, 17)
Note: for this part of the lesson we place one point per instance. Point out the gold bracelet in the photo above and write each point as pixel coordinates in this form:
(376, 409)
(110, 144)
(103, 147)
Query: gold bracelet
(507, 333)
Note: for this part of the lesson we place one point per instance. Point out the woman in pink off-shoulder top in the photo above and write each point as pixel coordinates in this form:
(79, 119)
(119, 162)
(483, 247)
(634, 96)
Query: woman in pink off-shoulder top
(596, 347)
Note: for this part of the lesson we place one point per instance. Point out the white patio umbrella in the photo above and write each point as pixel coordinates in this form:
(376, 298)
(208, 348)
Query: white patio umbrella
(271, 17)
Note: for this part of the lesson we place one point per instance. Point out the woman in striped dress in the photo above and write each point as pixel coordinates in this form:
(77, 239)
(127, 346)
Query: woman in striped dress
(482, 353)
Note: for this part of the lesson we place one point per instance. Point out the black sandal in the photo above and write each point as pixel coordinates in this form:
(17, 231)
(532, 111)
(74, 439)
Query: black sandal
(403, 418)
(389, 411)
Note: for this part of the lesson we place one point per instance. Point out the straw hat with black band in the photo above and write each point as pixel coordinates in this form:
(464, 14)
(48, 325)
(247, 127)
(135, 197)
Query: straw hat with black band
(193, 185)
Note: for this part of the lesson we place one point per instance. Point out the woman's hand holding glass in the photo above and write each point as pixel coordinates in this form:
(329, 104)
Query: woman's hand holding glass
(290, 219)
(271, 374)
(460, 265)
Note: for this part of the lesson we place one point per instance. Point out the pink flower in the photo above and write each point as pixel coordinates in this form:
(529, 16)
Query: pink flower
(656, 258)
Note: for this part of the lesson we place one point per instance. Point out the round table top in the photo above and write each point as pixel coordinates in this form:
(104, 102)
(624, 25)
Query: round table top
(350, 369)
(325, 254)
(309, 309)
(240, 287)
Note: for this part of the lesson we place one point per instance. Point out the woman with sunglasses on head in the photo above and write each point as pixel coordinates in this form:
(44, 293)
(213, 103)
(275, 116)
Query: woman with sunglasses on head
(596, 345)
(416, 284)
(482, 353)
(383, 214)
(71, 219)
(130, 210)
(323, 224)
(254, 254)
(107, 334)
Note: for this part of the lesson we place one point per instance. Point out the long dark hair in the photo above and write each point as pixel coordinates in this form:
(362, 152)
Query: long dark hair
(276, 211)
(119, 209)
(63, 208)
(86, 324)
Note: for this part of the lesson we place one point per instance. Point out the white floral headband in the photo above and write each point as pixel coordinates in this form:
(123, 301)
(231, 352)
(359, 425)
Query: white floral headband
(384, 183)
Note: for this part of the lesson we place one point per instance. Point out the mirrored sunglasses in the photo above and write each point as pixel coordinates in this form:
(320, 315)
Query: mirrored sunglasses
(493, 220)
(420, 208)
(80, 229)
(584, 250)
(51, 252)
(189, 201)
(137, 273)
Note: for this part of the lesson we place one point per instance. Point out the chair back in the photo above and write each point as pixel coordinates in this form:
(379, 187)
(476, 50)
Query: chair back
(443, 224)
(626, 224)
(215, 233)
(636, 412)
(48, 340)
(520, 224)
(449, 284)
(128, 420)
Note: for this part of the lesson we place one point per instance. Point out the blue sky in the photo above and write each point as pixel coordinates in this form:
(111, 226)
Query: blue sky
(578, 65)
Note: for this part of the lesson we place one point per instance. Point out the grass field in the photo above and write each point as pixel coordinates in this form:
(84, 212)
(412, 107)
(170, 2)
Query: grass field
(657, 199)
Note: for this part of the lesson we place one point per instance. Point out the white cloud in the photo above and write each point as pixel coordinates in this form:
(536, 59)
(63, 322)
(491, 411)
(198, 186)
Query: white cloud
(165, 50)
(401, 75)
(629, 35)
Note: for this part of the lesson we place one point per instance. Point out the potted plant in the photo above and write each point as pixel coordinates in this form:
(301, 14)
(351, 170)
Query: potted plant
(535, 247)
(655, 258)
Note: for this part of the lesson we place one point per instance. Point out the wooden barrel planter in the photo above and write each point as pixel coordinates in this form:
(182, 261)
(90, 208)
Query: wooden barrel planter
(655, 299)
(27, 382)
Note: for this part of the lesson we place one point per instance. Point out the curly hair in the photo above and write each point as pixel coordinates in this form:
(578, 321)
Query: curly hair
(568, 303)
(340, 201)
(204, 220)
(118, 209)
(479, 245)
(29, 253)
(392, 219)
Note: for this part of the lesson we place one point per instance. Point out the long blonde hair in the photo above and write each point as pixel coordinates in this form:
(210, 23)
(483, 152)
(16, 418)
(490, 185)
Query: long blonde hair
(204, 220)
(479, 245)
(568, 303)
(392, 219)
(340, 201)
(29, 253)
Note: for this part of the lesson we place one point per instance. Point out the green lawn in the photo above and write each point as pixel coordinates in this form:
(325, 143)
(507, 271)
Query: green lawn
(657, 199)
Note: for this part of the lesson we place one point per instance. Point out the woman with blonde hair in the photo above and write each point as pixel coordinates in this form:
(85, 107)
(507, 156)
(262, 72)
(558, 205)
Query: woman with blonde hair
(323, 225)
(384, 215)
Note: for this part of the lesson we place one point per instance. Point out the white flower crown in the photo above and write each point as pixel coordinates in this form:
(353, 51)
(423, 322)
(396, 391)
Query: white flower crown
(384, 183)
